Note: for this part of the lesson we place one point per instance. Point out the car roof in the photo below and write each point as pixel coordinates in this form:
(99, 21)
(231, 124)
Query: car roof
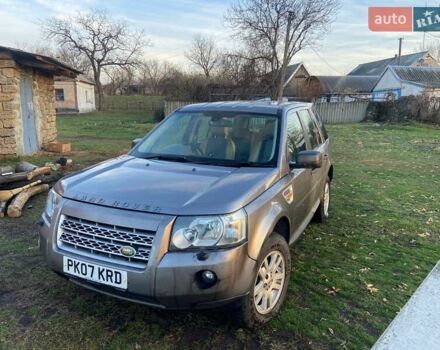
(262, 107)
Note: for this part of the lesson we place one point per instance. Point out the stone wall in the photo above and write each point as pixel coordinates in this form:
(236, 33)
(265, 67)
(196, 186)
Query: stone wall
(44, 102)
(11, 132)
(9, 104)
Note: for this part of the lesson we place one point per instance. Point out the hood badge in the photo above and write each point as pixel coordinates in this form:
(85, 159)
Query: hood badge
(128, 251)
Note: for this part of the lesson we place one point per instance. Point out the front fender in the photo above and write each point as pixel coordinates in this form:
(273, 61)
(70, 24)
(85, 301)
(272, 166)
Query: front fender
(263, 214)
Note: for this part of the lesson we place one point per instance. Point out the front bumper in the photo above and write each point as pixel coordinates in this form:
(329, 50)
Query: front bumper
(169, 279)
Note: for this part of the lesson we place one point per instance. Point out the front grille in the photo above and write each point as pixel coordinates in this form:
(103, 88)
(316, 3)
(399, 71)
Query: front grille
(103, 240)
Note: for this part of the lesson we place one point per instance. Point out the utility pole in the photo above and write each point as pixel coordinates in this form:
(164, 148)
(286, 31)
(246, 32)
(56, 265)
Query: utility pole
(285, 60)
(400, 51)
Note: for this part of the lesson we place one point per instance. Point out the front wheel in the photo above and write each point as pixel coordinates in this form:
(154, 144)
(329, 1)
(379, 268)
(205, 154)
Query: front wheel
(269, 289)
(322, 212)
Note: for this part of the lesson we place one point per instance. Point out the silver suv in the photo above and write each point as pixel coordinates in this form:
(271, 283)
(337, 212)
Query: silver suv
(201, 211)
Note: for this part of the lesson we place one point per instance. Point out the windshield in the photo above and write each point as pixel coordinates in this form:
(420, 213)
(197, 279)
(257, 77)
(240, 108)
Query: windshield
(221, 138)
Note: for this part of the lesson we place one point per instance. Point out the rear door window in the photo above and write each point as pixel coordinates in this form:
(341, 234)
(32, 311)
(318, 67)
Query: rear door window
(317, 118)
(295, 135)
(313, 137)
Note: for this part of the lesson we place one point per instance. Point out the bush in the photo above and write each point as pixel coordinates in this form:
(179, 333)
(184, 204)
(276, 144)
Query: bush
(422, 108)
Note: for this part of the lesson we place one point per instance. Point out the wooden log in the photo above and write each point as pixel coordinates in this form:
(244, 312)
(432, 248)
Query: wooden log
(3, 208)
(5, 179)
(25, 175)
(8, 194)
(16, 207)
(24, 167)
(38, 172)
(45, 179)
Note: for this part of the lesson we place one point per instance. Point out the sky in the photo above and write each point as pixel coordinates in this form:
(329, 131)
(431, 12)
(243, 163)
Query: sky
(170, 26)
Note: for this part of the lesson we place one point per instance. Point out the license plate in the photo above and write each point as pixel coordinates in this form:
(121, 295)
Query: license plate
(96, 273)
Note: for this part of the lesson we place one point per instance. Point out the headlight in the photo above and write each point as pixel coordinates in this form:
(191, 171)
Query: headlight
(53, 199)
(209, 231)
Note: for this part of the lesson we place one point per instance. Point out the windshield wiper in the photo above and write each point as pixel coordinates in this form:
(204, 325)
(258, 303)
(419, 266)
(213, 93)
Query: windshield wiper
(169, 157)
(239, 164)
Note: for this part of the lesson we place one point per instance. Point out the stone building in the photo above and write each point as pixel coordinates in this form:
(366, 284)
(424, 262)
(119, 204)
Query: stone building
(27, 100)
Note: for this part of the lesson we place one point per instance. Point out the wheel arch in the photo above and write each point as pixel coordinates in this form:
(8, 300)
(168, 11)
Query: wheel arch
(282, 227)
(276, 220)
(330, 173)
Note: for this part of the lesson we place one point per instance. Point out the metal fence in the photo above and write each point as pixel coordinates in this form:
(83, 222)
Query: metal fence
(170, 106)
(342, 112)
(331, 112)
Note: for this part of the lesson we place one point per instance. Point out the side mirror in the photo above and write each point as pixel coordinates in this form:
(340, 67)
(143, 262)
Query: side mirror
(308, 160)
(135, 142)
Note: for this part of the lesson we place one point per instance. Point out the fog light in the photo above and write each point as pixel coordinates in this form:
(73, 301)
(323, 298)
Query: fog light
(209, 277)
(206, 279)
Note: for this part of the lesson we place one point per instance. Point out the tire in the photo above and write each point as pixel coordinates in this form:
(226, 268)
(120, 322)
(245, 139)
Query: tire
(322, 213)
(248, 311)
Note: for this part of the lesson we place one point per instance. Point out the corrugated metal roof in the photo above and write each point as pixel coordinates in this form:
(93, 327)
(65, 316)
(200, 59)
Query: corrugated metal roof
(426, 76)
(376, 68)
(335, 84)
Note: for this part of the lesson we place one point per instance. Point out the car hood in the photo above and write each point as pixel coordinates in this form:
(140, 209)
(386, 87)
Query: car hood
(168, 187)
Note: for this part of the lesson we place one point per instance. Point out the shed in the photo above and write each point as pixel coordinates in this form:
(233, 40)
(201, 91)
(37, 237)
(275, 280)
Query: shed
(398, 81)
(331, 88)
(27, 100)
(74, 95)
(296, 75)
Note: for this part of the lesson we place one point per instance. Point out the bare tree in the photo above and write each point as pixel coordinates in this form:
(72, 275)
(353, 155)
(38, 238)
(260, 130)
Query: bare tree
(153, 74)
(74, 59)
(275, 30)
(120, 79)
(241, 74)
(102, 40)
(203, 53)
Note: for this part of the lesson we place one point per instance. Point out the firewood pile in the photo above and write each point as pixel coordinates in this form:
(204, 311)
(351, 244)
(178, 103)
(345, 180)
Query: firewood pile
(18, 184)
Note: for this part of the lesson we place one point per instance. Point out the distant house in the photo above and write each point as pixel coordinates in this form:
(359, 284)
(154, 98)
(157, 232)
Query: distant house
(399, 81)
(27, 101)
(74, 95)
(337, 88)
(376, 68)
(296, 75)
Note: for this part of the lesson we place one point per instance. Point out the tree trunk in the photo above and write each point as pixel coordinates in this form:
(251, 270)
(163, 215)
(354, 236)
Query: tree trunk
(97, 76)
(100, 95)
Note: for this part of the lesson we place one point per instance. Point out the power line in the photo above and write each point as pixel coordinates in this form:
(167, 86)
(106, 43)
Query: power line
(325, 61)
(179, 51)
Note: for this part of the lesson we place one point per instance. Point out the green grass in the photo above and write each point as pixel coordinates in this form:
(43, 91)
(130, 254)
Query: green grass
(110, 132)
(349, 277)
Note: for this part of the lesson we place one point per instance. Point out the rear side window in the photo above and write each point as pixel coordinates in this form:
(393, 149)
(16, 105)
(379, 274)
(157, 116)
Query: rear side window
(313, 137)
(295, 135)
(317, 118)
